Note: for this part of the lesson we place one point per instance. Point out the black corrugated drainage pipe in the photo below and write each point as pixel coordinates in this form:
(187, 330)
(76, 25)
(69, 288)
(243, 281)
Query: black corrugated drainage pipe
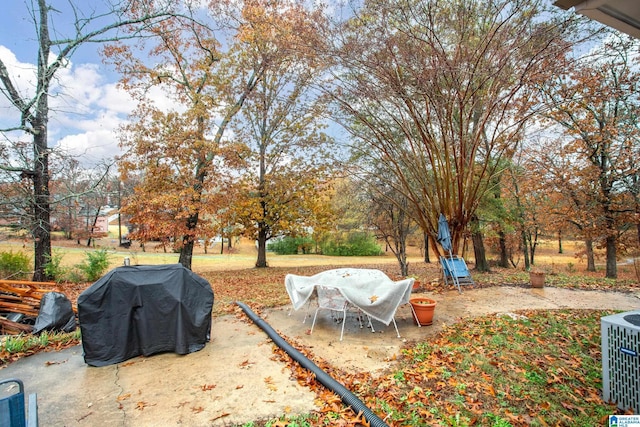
(325, 379)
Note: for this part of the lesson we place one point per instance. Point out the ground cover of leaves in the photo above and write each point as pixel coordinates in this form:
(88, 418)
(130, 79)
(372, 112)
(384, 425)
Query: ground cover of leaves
(540, 369)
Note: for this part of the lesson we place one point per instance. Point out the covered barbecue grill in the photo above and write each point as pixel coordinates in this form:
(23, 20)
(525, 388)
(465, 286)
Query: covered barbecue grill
(143, 310)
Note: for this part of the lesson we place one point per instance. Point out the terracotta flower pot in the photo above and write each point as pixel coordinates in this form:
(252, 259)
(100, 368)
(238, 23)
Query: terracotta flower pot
(537, 279)
(416, 286)
(424, 309)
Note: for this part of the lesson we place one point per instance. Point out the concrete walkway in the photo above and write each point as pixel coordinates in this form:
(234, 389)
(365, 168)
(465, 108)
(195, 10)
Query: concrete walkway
(234, 379)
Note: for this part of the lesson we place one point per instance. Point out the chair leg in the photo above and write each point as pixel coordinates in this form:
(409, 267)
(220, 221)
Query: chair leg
(396, 326)
(415, 316)
(344, 319)
(370, 323)
(306, 314)
(314, 320)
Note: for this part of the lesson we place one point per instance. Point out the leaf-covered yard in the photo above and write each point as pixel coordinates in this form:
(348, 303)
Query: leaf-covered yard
(538, 368)
(541, 368)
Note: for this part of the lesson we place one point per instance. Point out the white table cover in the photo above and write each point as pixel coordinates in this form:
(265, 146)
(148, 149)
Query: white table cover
(370, 290)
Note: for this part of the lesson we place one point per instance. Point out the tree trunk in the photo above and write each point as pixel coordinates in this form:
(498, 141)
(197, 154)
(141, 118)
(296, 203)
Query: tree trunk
(188, 240)
(612, 261)
(401, 256)
(186, 252)
(93, 226)
(41, 228)
(479, 252)
(560, 251)
(261, 262)
(404, 267)
(400, 251)
(426, 248)
(533, 244)
(591, 261)
(525, 250)
(504, 255)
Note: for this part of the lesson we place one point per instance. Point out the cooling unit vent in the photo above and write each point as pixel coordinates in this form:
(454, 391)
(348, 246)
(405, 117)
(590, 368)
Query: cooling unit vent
(620, 335)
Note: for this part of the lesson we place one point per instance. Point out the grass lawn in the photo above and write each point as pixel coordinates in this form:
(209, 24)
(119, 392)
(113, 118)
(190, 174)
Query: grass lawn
(539, 369)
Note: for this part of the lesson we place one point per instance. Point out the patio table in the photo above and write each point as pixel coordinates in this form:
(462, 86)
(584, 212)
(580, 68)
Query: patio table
(371, 291)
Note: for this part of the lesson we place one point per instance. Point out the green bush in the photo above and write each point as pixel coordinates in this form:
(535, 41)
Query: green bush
(53, 267)
(14, 265)
(96, 264)
(291, 245)
(354, 244)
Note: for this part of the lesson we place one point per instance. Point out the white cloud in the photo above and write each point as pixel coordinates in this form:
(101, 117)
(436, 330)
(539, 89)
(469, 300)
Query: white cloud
(116, 99)
(91, 146)
(23, 76)
(85, 109)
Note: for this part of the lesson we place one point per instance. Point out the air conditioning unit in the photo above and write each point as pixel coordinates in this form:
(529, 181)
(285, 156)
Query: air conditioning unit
(620, 336)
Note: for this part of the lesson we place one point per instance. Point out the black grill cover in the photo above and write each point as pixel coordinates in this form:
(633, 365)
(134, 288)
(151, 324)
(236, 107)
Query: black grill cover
(143, 310)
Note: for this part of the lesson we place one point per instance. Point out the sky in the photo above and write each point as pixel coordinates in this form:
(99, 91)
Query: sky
(88, 106)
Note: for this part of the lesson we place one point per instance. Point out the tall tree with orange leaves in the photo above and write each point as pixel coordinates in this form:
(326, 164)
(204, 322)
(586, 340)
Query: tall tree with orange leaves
(282, 124)
(595, 105)
(207, 70)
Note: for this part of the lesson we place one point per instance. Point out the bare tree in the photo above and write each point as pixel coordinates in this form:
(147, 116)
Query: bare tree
(440, 92)
(390, 217)
(53, 51)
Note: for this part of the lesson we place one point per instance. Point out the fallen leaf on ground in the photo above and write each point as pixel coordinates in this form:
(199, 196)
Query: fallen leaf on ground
(246, 364)
(270, 384)
(141, 405)
(224, 414)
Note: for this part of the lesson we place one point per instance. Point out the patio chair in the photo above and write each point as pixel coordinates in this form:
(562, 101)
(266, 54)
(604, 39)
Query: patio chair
(330, 298)
(12, 405)
(455, 271)
(405, 300)
(308, 304)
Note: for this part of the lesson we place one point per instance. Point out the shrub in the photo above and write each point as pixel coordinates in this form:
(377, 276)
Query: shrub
(96, 264)
(355, 244)
(291, 245)
(14, 265)
(53, 267)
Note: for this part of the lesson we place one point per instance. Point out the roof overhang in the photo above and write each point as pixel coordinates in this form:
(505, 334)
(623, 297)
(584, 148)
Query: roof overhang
(623, 15)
